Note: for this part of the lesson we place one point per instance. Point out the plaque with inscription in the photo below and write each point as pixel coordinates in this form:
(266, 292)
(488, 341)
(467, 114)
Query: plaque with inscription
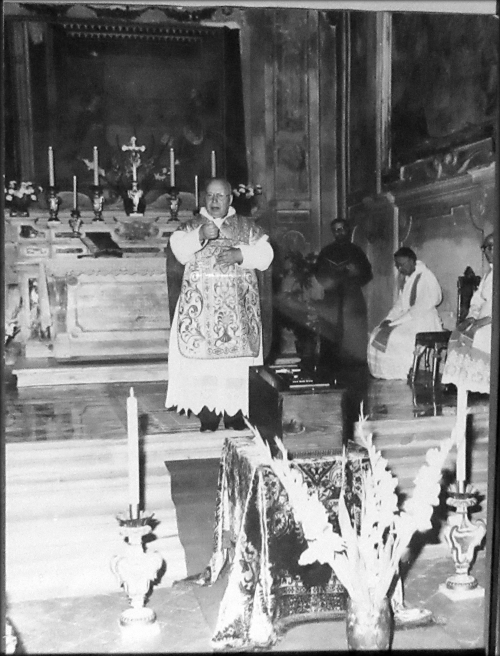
(120, 306)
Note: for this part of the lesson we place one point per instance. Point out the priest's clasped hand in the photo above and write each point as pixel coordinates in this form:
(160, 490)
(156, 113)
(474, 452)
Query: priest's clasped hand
(230, 256)
(209, 231)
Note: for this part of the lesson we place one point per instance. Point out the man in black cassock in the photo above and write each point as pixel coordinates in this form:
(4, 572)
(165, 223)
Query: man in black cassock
(342, 269)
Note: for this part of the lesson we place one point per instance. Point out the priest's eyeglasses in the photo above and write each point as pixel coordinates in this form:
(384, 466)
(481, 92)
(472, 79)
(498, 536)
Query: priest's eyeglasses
(218, 197)
(487, 247)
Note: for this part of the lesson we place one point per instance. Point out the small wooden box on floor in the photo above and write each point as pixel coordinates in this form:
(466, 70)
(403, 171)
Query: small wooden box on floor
(307, 420)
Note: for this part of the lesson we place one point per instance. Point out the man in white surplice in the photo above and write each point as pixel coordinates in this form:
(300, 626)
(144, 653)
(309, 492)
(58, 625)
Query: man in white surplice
(391, 343)
(216, 332)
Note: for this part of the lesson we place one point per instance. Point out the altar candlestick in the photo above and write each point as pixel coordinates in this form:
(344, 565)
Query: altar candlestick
(196, 193)
(172, 168)
(51, 167)
(96, 167)
(133, 453)
(214, 165)
(75, 197)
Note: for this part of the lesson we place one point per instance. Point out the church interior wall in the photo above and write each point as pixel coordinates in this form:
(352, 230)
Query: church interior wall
(309, 131)
(443, 216)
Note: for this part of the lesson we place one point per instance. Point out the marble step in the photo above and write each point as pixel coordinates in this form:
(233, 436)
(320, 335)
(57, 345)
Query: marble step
(72, 557)
(62, 498)
(39, 372)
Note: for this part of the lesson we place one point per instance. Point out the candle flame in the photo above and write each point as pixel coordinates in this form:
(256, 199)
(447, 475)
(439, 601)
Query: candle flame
(131, 391)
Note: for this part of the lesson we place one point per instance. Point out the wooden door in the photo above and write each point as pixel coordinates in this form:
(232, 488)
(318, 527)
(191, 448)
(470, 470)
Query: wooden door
(300, 116)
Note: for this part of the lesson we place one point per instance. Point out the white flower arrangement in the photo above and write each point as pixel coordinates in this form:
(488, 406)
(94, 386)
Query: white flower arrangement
(247, 191)
(365, 559)
(21, 190)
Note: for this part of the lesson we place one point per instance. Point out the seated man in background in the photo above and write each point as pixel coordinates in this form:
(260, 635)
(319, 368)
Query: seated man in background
(469, 348)
(392, 342)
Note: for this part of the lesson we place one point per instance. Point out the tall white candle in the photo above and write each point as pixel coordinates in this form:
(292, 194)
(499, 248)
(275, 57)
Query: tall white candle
(133, 452)
(96, 167)
(461, 436)
(172, 168)
(75, 197)
(196, 192)
(214, 164)
(51, 167)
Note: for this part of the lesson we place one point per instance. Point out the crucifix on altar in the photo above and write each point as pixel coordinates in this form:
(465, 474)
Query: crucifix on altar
(135, 194)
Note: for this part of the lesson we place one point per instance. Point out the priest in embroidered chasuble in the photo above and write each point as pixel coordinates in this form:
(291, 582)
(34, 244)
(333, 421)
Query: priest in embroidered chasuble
(216, 329)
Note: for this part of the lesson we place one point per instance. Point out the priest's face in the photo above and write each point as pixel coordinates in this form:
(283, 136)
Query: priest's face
(218, 198)
(487, 248)
(340, 232)
(405, 265)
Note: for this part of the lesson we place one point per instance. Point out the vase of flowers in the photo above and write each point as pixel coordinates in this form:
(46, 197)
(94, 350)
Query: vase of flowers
(245, 198)
(366, 552)
(19, 196)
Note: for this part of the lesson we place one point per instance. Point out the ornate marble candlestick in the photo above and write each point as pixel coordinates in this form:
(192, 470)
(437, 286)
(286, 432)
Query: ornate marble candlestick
(175, 203)
(463, 537)
(54, 202)
(136, 570)
(75, 223)
(97, 202)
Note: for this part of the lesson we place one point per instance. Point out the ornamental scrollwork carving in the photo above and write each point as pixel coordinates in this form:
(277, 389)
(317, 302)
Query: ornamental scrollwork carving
(450, 164)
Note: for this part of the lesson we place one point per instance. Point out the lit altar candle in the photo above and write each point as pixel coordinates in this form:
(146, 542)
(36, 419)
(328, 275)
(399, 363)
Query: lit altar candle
(133, 454)
(172, 168)
(214, 165)
(51, 167)
(75, 197)
(96, 167)
(196, 193)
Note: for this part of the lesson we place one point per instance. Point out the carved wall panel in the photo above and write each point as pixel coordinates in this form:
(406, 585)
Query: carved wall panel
(292, 103)
(294, 127)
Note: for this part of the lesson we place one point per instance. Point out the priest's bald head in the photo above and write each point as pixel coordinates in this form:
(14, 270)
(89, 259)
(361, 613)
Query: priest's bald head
(218, 197)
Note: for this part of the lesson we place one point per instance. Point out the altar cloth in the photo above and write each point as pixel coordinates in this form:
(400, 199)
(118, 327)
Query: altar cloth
(256, 535)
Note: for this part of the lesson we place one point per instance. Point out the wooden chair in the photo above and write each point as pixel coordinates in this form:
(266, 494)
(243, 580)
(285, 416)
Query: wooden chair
(431, 347)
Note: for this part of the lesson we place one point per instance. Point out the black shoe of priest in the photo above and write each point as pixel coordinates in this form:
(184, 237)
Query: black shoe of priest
(236, 422)
(209, 420)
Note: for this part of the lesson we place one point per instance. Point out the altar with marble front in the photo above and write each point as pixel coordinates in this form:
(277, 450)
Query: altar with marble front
(95, 294)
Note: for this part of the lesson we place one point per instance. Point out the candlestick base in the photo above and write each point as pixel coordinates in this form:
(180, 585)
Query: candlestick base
(97, 202)
(136, 570)
(142, 616)
(75, 213)
(463, 536)
(175, 203)
(75, 224)
(54, 202)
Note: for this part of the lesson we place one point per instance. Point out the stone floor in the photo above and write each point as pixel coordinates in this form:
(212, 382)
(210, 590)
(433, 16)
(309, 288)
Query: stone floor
(187, 616)
(186, 620)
